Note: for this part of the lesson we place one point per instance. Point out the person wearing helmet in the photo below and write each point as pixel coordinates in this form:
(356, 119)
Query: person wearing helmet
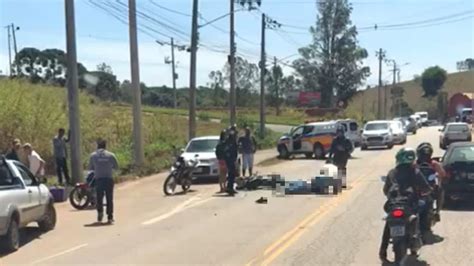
(403, 177)
(340, 152)
(220, 155)
(434, 172)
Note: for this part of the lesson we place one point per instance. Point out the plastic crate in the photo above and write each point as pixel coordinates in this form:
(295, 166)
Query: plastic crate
(59, 194)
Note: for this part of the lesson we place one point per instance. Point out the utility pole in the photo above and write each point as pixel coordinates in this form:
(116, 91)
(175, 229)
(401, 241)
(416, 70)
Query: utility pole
(9, 51)
(232, 94)
(192, 77)
(381, 56)
(175, 98)
(15, 47)
(262, 79)
(73, 93)
(137, 94)
(277, 89)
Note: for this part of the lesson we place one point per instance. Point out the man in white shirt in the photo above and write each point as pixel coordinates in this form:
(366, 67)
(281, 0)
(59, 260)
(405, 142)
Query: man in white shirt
(35, 161)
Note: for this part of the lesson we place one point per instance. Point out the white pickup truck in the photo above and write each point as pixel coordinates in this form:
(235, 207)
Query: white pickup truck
(23, 200)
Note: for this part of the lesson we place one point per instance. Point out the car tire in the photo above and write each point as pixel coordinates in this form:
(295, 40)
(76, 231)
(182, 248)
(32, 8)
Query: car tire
(49, 220)
(283, 152)
(390, 146)
(363, 147)
(318, 151)
(404, 141)
(308, 155)
(414, 132)
(11, 241)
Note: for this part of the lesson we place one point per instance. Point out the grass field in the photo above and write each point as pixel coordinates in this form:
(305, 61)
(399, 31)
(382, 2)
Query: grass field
(33, 113)
(366, 102)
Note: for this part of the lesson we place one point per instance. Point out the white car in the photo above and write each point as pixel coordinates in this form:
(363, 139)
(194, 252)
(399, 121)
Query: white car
(423, 118)
(205, 149)
(417, 118)
(399, 132)
(377, 134)
(23, 200)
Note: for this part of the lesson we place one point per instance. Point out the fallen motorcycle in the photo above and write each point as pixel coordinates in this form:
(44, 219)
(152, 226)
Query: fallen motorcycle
(181, 175)
(84, 195)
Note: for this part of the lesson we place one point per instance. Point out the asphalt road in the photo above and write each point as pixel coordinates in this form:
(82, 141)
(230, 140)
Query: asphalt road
(205, 228)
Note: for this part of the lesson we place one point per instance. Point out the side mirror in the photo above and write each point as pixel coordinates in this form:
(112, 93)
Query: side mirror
(383, 178)
(181, 150)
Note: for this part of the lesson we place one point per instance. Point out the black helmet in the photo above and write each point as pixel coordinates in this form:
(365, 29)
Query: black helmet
(223, 135)
(340, 129)
(424, 151)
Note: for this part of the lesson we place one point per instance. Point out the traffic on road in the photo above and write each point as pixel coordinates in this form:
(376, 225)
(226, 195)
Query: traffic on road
(414, 215)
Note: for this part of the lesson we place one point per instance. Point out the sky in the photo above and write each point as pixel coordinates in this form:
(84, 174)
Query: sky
(444, 36)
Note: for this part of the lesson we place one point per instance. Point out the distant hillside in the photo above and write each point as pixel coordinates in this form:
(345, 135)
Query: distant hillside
(366, 102)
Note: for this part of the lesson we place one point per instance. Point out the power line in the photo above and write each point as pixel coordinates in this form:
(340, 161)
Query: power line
(169, 9)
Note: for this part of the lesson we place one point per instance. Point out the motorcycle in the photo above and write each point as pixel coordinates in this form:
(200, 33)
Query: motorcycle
(181, 174)
(84, 195)
(403, 223)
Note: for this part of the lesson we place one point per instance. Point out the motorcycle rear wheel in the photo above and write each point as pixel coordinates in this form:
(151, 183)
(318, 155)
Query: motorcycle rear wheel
(80, 198)
(169, 187)
(186, 184)
(400, 250)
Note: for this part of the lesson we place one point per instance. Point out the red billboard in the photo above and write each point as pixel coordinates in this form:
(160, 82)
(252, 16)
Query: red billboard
(307, 98)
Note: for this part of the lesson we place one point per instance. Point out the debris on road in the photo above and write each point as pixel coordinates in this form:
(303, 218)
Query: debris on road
(262, 200)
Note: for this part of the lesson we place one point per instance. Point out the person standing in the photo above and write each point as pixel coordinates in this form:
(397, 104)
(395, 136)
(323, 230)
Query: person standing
(231, 154)
(35, 162)
(103, 163)
(220, 155)
(13, 154)
(60, 156)
(248, 147)
(340, 153)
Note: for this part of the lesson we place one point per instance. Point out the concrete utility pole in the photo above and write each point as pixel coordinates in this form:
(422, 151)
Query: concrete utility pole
(137, 94)
(192, 77)
(277, 88)
(9, 51)
(232, 94)
(15, 47)
(173, 70)
(381, 56)
(73, 93)
(262, 79)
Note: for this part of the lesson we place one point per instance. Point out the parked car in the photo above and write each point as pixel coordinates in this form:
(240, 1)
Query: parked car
(466, 115)
(308, 139)
(399, 133)
(423, 118)
(352, 131)
(458, 161)
(454, 132)
(23, 200)
(409, 123)
(204, 148)
(377, 134)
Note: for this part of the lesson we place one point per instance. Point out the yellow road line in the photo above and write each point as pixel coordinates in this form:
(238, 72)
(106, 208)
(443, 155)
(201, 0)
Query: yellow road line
(293, 235)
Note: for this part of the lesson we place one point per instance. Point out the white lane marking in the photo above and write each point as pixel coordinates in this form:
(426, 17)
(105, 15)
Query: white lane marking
(60, 253)
(177, 209)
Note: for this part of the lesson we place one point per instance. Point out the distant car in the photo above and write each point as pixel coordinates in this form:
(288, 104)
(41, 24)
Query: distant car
(399, 133)
(458, 161)
(205, 149)
(23, 200)
(417, 119)
(352, 131)
(410, 124)
(377, 134)
(423, 118)
(466, 115)
(454, 132)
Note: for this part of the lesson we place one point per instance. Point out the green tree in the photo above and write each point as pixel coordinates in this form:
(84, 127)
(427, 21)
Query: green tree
(247, 76)
(332, 63)
(432, 80)
(103, 67)
(275, 83)
(217, 84)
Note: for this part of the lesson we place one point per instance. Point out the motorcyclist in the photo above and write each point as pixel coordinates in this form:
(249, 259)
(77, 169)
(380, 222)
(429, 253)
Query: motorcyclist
(403, 177)
(340, 152)
(424, 153)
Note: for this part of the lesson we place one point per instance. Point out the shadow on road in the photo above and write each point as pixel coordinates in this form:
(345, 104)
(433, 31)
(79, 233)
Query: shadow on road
(97, 224)
(460, 206)
(431, 239)
(411, 261)
(27, 235)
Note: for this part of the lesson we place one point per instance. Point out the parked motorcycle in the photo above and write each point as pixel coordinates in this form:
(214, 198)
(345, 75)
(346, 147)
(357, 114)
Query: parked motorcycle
(181, 174)
(403, 223)
(84, 195)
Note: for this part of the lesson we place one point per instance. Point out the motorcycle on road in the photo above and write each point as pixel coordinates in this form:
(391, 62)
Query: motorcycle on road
(181, 175)
(84, 195)
(403, 223)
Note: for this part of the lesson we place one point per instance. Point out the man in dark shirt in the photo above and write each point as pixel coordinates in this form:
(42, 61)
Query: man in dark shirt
(60, 156)
(13, 153)
(340, 153)
(220, 155)
(248, 147)
(231, 154)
